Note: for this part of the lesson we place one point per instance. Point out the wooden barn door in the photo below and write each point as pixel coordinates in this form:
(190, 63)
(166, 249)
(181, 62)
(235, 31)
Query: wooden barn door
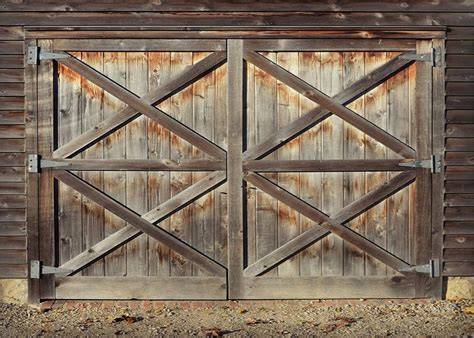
(239, 169)
(131, 138)
(335, 157)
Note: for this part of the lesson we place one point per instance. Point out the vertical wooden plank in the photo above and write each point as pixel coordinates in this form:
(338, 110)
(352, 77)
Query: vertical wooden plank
(310, 149)
(287, 111)
(250, 140)
(354, 149)
(423, 122)
(438, 179)
(69, 127)
(203, 123)
(398, 125)
(115, 67)
(136, 131)
(92, 114)
(46, 181)
(181, 106)
(266, 213)
(332, 148)
(375, 106)
(234, 165)
(31, 109)
(220, 138)
(158, 148)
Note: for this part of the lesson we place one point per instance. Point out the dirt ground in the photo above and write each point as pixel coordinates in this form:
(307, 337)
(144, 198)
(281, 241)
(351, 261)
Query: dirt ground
(292, 318)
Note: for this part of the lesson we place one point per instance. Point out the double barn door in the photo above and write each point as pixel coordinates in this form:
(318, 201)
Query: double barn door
(231, 169)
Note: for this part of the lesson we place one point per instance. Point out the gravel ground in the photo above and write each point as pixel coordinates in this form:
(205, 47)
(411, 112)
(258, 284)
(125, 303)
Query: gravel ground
(297, 318)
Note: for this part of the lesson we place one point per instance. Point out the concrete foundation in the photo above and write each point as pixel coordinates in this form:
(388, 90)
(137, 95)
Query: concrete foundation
(460, 288)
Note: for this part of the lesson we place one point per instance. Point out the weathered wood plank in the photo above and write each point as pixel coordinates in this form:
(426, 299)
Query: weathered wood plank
(460, 102)
(12, 33)
(12, 89)
(344, 215)
(459, 158)
(12, 145)
(235, 114)
(12, 257)
(12, 228)
(11, 47)
(316, 115)
(459, 144)
(12, 159)
(350, 165)
(462, 187)
(115, 67)
(459, 255)
(329, 287)
(462, 75)
(12, 131)
(147, 288)
(140, 45)
(11, 214)
(331, 45)
(11, 61)
(460, 47)
(12, 188)
(11, 75)
(459, 213)
(459, 200)
(459, 61)
(460, 88)
(459, 130)
(458, 269)
(12, 174)
(127, 114)
(12, 103)
(330, 104)
(460, 116)
(12, 201)
(140, 222)
(13, 271)
(12, 117)
(458, 241)
(13, 243)
(459, 227)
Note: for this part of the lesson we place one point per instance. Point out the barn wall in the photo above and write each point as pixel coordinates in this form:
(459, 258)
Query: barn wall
(458, 16)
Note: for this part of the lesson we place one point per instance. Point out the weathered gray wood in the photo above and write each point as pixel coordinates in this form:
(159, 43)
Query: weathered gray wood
(315, 233)
(459, 227)
(12, 188)
(127, 114)
(324, 165)
(138, 164)
(12, 33)
(12, 174)
(331, 104)
(325, 45)
(156, 215)
(458, 241)
(12, 201)
(11, 214)
(12, 89)
(11, 75)
(143, 106)
(319, 217)
(147, 288)
(235, 113)
(143, 45)
(458, 269)
(461, 75)
(11, 61)
(306, 121)
(12, 145)
(423, 218)
(13, 257)
(12, 103)
(11, 47)
(14, 271)
(17, 228)
(329, 287)
(427, 32)
(459, 255)
(13, 117)
(139, 222)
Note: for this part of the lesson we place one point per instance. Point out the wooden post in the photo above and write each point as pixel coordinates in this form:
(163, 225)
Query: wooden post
(423, 118)
(234, 167)
(32, 186)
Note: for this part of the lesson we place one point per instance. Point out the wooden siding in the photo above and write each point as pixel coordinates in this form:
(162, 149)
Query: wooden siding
(458, 16)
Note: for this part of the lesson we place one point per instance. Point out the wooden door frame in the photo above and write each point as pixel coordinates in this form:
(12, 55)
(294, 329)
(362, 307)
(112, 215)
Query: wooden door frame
(36, 241)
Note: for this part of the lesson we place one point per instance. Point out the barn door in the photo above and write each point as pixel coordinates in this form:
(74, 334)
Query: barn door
(332, 142)
(241, 169)
(131, 166)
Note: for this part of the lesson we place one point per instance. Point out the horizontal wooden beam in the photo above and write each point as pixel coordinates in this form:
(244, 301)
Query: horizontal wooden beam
(141, 224)
(323, 165)
(319, 114)
(235, 33)
(140, 45)
(127, 114)
(327, 224)
(144, 107)
(329, 287)
(330, 45)
(331, 104)
(137, 165)
(141, 287)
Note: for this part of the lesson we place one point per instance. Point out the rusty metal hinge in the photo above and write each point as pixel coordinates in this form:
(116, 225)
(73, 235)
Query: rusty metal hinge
(432, 268)
(37, 270)
(435, 164)
(35, 55)
(433, 57)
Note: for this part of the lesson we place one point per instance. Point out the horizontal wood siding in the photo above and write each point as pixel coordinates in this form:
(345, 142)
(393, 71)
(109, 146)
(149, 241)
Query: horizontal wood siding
(458, 15)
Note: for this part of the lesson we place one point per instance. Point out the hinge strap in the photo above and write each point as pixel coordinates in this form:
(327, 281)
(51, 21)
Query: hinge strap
(434, 163)
(37, 270)
(35, 163)
(432, 268)
(35, 55)
(433, 57)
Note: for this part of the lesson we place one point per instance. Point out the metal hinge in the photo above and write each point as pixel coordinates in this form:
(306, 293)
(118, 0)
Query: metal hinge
(432, 268)
(435, 164)
(37, 270)
(35, 55)
(433, 57)
(35, 163)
